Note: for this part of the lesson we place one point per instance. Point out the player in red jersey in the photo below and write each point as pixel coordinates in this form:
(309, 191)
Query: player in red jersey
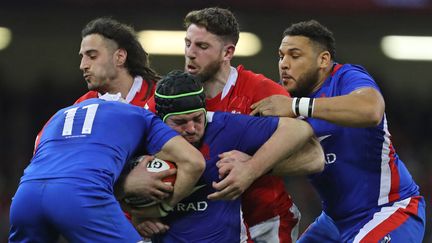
(113, 61)
(210, 42)
(115, 64)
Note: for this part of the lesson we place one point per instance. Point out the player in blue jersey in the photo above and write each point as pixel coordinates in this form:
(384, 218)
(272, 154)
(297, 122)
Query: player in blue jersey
(368, 195)
(180, 102)
(67, 189)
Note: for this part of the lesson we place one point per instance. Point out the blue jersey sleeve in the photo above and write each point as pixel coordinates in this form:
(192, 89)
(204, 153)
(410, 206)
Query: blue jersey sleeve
(255, 131)
(158, 135)
(354, 77)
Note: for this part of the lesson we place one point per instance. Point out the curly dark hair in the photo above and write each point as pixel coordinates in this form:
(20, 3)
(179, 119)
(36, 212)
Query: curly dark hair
(137, 62)
(218, 21)
(316, 32)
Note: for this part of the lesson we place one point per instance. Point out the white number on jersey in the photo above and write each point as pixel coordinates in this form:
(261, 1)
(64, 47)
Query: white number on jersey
(88, 121)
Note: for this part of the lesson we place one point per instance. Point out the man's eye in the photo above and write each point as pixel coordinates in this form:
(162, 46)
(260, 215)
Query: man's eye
(179, 123)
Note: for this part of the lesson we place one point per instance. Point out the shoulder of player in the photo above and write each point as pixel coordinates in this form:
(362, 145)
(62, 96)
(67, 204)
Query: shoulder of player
(348, 72)
(351, 69)
(250, 78)
(144, 96)
(226, 117)
(86, 96)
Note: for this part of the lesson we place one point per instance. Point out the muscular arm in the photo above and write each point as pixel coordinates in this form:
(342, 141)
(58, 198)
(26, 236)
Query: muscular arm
(363, 107)
(139, 181)
(309, 159)
(190, 165)
(290, 135)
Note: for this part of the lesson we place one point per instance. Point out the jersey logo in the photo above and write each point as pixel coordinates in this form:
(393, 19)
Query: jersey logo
(323, 137)
(330, 158)
(386, 239)
(197, 188)
(191, 206)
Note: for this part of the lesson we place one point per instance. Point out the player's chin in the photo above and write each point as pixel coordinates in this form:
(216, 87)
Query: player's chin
(289, 86)
(192, 138)
(91, 86)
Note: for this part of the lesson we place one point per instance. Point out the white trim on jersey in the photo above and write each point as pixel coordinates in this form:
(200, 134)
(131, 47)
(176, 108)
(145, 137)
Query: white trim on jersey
(232, 79)
(380, 217)
(297, 215)
(243, 230)
(136, 87)
(209, 116)
(385, 183)
(266, 231)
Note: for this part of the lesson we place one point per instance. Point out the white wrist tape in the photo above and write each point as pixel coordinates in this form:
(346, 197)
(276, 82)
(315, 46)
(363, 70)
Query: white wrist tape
(303, 106)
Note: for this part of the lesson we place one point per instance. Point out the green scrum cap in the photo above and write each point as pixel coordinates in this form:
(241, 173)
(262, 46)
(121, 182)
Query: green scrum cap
(179, 93)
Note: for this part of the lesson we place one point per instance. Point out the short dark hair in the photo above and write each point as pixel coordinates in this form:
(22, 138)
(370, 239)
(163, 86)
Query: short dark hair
(316, 32)
(218, 21)
(137, 62)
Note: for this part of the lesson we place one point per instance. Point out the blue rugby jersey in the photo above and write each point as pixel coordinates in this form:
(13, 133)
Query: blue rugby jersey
(106, 134)
(197, 219)
(363, 170)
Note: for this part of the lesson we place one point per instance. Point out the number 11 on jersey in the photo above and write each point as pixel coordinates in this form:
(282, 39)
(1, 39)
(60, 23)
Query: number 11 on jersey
(88, 120)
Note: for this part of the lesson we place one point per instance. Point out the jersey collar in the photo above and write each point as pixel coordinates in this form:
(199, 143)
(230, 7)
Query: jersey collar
(136, 86)
(232, 78)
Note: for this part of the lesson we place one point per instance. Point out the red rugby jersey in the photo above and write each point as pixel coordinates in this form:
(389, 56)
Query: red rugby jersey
(138, 97)
(266, 197)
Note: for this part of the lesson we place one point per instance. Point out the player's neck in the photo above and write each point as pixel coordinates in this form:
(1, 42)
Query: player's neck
(322, 76)
(216, 84)
(123, 83)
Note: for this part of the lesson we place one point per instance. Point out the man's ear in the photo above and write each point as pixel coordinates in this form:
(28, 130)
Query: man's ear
(229, 50)
(324, 59)
(120, 56)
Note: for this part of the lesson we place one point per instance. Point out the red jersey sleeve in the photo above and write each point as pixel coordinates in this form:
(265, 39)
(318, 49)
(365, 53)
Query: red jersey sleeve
(268, 87)
(151, 104)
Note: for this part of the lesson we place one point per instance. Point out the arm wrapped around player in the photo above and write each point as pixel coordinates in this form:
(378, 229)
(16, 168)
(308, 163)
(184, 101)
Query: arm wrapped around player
(149, 181)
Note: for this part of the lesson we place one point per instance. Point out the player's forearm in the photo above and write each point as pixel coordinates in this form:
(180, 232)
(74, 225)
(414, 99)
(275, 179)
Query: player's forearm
(361, 108)
(307, 160)
(290, 136)
(140, 214)
(190, 165)
(187, 177)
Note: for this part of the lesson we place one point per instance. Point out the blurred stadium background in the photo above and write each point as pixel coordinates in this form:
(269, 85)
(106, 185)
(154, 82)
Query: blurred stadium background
(39, 68)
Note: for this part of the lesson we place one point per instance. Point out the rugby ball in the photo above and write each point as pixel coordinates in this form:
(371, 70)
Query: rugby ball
(156, 165)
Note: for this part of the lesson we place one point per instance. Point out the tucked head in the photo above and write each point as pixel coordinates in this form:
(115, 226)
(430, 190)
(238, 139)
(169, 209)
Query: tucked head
(180, 103)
